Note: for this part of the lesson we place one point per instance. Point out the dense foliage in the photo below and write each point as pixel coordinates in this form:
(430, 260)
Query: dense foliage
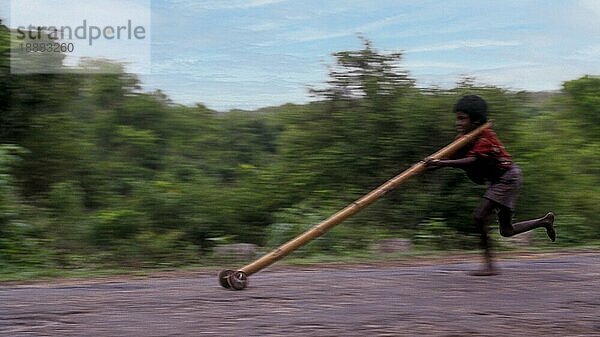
(95, 171)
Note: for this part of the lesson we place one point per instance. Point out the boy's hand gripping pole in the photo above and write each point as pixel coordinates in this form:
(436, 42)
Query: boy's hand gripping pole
(238, 280)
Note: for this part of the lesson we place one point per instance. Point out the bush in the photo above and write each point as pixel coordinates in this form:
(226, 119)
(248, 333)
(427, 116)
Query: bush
(572, 230)
(169, 248)
(436, 234)
(113, 227)
(339, 240)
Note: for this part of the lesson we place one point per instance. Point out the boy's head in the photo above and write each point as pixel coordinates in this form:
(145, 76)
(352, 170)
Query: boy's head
(474, 106)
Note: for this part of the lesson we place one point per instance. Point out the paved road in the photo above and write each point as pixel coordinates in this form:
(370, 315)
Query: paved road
(542, 296)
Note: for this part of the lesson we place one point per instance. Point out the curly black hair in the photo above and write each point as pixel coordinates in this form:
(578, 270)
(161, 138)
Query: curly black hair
(474, 106)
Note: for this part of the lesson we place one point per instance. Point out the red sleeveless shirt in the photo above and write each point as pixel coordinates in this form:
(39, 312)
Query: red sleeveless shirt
(492, 158)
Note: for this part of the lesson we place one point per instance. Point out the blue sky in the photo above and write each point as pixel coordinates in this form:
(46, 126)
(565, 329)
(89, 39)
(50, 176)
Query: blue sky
(254, 53)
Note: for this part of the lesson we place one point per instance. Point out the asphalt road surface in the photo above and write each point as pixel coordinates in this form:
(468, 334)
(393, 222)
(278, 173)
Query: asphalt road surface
(535, 295)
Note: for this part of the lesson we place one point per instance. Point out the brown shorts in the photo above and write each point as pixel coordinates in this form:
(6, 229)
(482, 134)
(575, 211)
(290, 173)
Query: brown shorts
(506, 190)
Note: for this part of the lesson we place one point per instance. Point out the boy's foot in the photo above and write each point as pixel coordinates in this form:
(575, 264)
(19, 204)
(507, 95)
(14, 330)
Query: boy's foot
(550, 226)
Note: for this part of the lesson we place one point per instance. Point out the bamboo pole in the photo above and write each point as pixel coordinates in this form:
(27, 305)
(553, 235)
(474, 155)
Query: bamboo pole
(357, 205)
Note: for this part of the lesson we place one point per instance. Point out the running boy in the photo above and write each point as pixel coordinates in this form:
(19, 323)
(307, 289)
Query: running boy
(486, 159)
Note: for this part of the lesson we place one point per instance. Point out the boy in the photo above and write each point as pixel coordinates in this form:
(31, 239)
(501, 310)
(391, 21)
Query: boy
(486, 159)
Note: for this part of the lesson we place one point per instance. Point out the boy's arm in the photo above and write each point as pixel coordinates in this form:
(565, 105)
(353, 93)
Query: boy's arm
(458, 163)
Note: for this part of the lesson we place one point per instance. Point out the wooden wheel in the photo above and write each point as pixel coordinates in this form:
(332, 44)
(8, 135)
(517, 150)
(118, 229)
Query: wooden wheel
(224, 277)
(238, 280)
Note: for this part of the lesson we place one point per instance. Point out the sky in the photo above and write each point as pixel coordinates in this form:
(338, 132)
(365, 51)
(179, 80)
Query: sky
(248, 54)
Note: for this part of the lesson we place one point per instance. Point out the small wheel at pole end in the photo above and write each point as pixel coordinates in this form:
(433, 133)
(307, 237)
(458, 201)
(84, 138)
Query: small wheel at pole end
(224, 277)
(238, 280)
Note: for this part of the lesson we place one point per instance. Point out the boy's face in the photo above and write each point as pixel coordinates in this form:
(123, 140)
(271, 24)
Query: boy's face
(464, 123)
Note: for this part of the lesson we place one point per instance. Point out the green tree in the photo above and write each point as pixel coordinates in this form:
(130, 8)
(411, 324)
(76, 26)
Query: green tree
(559, 155)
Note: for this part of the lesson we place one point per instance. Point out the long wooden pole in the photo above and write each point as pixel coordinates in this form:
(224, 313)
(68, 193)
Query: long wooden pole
(357, 205)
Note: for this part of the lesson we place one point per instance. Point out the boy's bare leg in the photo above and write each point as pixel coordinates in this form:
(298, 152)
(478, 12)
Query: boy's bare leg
(489, 269)
(507, 229)
(481, 217)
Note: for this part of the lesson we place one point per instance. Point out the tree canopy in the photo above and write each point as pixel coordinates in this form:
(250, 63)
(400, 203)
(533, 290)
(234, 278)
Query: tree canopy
(92, 166)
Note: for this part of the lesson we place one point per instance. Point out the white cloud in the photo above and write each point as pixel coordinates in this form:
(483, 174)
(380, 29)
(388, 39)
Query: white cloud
(589, 53)
(227, 95)
(468, 44)
(377, 24)
(73, 12)
(432, 64)
(256, 3)
(222, 4)
(312, 34)
(531, 77)
(592, 6)
(532, 45)
(263, 26)
(572, 18)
